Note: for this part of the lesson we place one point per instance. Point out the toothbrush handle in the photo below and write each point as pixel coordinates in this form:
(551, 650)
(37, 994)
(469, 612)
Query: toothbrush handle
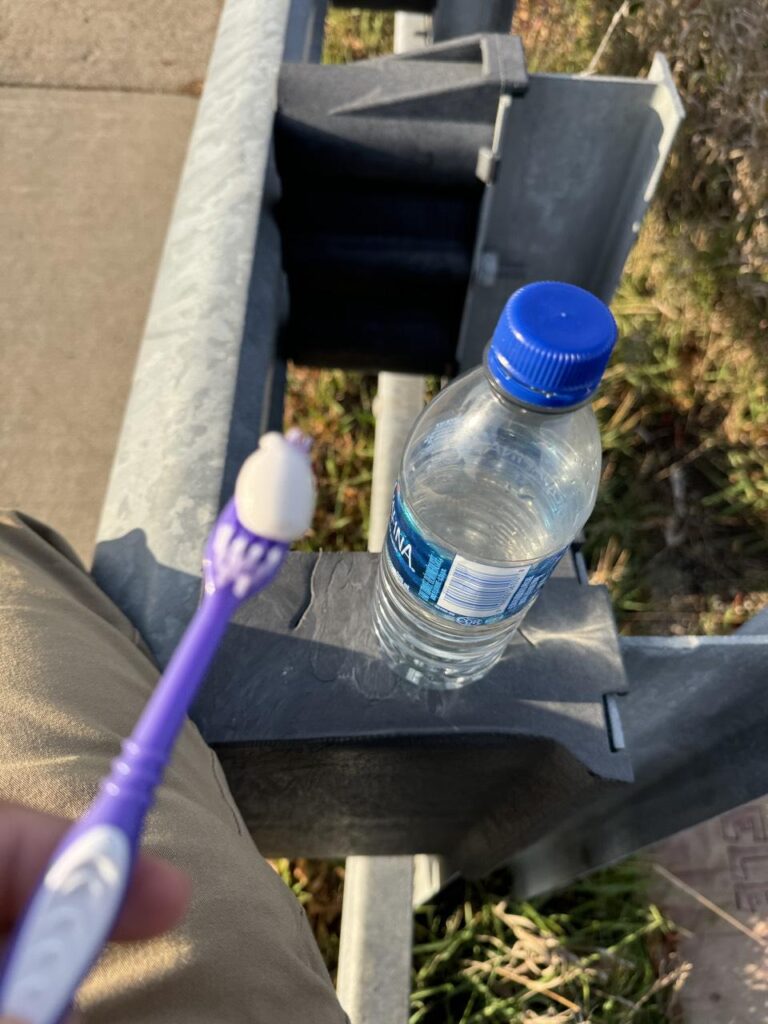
(67, 923)
(77, 902)
(79, 898)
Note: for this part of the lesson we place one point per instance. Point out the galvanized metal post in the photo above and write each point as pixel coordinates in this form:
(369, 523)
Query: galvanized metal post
(400, 396)
(375, 950)
(399, 401)
(171, 459)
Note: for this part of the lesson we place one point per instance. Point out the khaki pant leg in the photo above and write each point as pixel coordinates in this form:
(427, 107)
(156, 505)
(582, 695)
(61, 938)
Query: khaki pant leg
(73, 679)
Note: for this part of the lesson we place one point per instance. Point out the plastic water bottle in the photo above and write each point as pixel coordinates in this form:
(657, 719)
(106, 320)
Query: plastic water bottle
(498, 476)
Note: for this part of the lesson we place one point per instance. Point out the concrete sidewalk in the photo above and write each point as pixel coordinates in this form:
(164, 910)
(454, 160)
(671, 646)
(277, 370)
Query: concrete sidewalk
(92, 141)
(88, 181)
(138, 45)
(712, 881)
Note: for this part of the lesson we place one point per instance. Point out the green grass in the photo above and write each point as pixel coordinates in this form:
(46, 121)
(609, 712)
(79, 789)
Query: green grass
(356, 35)
(598, 952)
(336, 411)
(680, 531)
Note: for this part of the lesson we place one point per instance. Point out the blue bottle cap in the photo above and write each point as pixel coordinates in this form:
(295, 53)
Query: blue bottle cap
(551, 345)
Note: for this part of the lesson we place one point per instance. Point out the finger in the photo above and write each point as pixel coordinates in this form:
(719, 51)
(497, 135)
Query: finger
(157, 900)
(158, 893)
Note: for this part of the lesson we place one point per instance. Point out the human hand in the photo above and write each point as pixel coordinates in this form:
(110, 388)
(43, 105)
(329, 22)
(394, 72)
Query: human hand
(157, 896)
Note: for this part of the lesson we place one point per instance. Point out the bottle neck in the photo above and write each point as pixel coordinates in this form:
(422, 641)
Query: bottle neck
(512, 403)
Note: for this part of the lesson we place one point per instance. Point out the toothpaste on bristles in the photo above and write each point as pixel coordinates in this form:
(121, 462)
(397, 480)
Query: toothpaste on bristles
(275, 489)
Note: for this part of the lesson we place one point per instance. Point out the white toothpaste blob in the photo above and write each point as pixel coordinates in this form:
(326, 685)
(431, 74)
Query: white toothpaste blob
(275, 489)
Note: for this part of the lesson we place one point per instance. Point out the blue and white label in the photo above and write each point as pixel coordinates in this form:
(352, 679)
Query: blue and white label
(471, 593)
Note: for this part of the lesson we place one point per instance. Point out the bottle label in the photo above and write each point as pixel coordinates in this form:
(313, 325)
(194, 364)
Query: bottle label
(470, 593)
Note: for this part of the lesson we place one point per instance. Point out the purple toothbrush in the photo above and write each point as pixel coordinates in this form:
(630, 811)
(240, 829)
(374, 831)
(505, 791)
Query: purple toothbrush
(79, 897)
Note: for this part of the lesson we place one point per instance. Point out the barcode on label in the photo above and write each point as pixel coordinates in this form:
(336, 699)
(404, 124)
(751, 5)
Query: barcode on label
(474, 589)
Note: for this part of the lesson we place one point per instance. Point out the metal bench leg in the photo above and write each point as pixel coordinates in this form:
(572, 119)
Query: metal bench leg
(376, 936)
(374, 978)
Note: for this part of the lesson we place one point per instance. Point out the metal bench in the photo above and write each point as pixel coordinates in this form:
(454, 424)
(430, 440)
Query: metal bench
(581, 746)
